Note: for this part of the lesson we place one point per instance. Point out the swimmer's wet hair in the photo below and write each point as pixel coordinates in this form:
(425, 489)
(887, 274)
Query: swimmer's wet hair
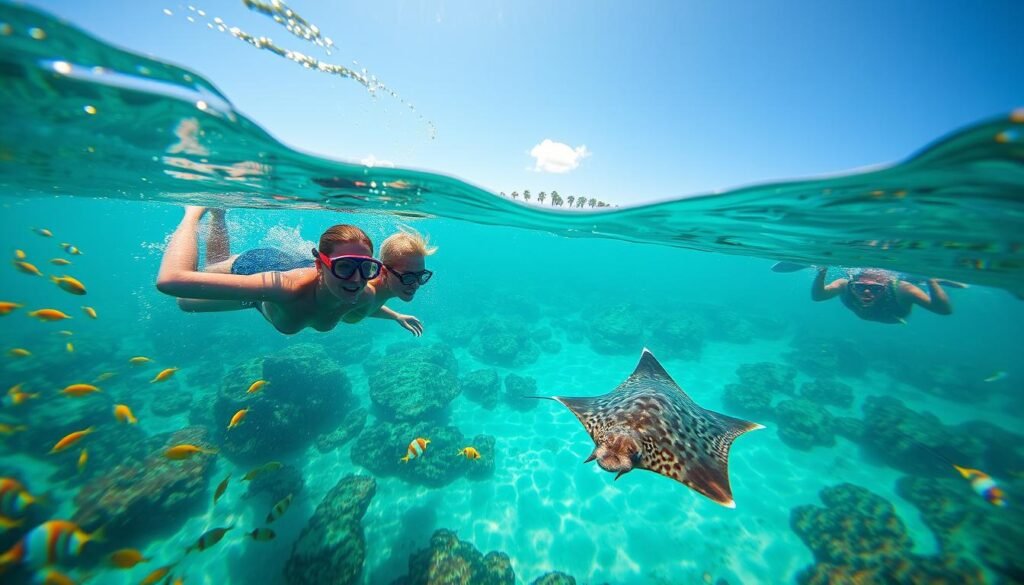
(406, 241)
(343, 234)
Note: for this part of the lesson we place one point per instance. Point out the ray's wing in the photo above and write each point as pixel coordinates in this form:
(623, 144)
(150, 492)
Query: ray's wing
(591, 411)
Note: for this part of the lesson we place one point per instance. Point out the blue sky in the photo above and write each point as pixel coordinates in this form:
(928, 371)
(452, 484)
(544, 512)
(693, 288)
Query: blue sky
(668, 98)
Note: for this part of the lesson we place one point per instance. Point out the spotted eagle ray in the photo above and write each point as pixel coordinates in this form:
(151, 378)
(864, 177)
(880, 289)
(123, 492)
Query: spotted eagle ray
(649, 422)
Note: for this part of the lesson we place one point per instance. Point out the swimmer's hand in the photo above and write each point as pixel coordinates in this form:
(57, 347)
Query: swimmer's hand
(410, 324)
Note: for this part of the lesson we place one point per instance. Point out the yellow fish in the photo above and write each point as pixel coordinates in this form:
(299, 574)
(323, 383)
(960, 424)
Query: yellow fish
(265, 468)
(6, 307)
(70, 249)
(279, 508)
(238, 418)
(82, 460)
(91, 312)
(156, 575)
(221, 488)
(43, 232)
(69, 440)
(60, 261)
(179, 452)
(79, 390)
(19, 352)
(6, 429)
(139, 360)
(416, 448)
(49, 315)
(15, 397)
(256, 386)
(27, 268)
(70, 284)
(19, 254)
(124, 414)
(127, 558)
(163, 375)
(469, 453)
(70, 347)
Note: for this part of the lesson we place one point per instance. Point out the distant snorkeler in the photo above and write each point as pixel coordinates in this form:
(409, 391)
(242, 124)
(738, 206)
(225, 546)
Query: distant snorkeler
(879, 295)
(341, 281)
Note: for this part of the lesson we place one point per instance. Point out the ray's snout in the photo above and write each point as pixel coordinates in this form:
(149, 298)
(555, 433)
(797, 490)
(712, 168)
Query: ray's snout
(617, 450)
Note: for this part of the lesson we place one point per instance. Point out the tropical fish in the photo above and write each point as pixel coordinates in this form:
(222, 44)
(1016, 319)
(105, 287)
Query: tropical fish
(60, 261)
(256, 386)
(70, 284)
(52, 542)
(265, 468)
(9, 429)
(163, 375)
(19, 352)
(15, 396)
(139, 360)
(279, 508)
(19, 254)
(55, 577)
(996, 376)
(208, 539)
(43, 232)
(79, 390)
(238, 418)
(70, 347)
(69, 440)
(14, 498)
(262, 534)
(983, 485)
(91, 312)
(65, 333)
(83, 458)
(469, 453)
(124, 414)
(49, 315)
(649, 422)
(27, 268)
(70, 249)
(416, 448)
(8, 523)
(179, 452)
(104, 377)
(7, 306)
(221, 488)
(156, 575)
(126, 558)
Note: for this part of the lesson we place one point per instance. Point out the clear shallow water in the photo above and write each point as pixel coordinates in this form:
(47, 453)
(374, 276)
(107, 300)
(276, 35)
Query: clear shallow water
(578, 323)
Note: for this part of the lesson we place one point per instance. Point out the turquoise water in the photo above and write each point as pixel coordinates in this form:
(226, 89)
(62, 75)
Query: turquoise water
(524, 299)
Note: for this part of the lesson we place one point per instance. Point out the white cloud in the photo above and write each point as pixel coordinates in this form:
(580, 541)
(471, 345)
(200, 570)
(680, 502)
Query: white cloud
(372, 161)
(557, 157)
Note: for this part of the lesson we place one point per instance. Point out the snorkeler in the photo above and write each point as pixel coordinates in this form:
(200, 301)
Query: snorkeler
(291, 291)
(879, 295)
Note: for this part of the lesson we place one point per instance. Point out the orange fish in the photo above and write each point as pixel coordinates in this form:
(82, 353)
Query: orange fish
(139, 360)
(79, 390)
(91, 312)
(469, 453)
(156, 575)
(50, 543)
(19, 352)
(256, 386)
(69, 440)
(70, 284)
(6, 307)
(124, 414)
(60, 261)
(82, 460)
(163, 375)
(19, 398)
(49, 315)
(416, 448)
(127, 558)
(14, 498)
(27, 268)
(983, 485)
(179, 452)
(221, 488)
(238, 418)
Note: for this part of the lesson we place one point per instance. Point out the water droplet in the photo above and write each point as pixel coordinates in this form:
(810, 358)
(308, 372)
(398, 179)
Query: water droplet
(91, 110)
(62, 67)
(37, 33)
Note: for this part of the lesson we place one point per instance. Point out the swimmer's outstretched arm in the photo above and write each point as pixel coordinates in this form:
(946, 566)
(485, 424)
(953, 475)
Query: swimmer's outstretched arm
(408, 322)
(936, 302)
(179, 276)
(820, 292)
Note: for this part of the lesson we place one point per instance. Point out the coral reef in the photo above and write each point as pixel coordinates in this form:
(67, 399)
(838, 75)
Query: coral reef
(458, 331)
(858, 538)
(276, 484)
(483, 387)
(804, 424)
(412, 384)
(554, 578)
(350, 427)
(332, 547)
(827, 391)
(381, 446)
(171, 403)
(757, 386)
(517, 389)
(826, 357)
(482, 468)
(681, 337)
(505, 343)
(450, 561)
(615, 331)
